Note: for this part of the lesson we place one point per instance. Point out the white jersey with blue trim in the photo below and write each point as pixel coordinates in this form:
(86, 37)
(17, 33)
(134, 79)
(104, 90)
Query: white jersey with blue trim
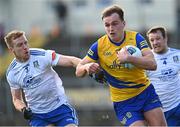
(41, 84)
(166, 78)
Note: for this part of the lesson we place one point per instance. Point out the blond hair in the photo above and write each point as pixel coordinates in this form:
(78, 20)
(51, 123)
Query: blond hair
(12, 36)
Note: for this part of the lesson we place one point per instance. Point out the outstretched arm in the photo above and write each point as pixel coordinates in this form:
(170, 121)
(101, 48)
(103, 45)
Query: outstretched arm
(68, 61)
(86, 67)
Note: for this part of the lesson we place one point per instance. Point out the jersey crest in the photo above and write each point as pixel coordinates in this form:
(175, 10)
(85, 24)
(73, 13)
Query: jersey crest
(36, 64)
(176, 59)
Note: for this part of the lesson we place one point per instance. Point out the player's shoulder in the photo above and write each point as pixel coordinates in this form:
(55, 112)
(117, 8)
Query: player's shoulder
(131, 31)
(37, 52)
(174, 50)
(103, 37)
(134, 35)
(11, 67)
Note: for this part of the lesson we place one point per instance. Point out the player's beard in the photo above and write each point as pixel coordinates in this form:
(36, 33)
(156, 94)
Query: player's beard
(24, 57)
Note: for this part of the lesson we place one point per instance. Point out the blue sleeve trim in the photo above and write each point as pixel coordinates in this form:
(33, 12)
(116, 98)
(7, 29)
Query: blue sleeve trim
(141, 42)
(13, 64)
(93, 51)
(37, 53)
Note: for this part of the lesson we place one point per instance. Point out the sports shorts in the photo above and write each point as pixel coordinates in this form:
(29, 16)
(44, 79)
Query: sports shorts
(132, 110)
(62, 116)
(173, 116)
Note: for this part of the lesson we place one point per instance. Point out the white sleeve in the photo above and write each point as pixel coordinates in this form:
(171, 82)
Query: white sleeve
(179, 62)
(177, 58)
(53, 57)
(12, 85)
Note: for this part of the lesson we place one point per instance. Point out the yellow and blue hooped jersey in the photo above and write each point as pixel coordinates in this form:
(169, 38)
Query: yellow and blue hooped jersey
(124, 83)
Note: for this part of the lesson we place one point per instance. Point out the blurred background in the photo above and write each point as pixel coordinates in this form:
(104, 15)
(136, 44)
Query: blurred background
(70, 27)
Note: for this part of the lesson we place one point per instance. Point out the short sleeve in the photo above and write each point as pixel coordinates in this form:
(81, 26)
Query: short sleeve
(53, 57)
(92, 52)
(12, 84)
(141, 42)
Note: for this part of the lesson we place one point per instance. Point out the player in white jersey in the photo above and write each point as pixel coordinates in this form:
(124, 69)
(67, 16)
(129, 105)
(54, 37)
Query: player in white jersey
(31, 71)
(166, 78)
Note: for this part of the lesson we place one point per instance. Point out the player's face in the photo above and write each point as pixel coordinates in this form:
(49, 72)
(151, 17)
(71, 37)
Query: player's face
(114, 27)
(158, 42)
(21, 49)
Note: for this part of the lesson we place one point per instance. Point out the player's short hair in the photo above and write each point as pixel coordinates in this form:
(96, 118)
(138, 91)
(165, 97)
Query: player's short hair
(113, 9)
(157, 28)
(12, 36)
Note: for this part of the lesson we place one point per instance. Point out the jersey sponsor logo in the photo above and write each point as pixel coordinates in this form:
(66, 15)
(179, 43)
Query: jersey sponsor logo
(30, 82)
(167, 71)
(167, 74)
(116, 65)
(28, 79)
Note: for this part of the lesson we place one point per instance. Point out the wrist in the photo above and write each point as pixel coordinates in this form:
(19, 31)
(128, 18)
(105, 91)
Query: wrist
(23, 109)
(129, 59)
(27, 113)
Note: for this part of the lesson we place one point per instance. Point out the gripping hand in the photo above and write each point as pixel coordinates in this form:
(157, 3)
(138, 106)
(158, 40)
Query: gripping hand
(98, 77)
(27, 113)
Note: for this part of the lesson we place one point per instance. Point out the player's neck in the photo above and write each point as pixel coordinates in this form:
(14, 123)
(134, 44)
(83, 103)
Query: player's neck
(21, 60)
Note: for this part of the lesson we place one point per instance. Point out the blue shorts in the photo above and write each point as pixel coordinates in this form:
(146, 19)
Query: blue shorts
(173, 116)
(132, 110)
(62, 116)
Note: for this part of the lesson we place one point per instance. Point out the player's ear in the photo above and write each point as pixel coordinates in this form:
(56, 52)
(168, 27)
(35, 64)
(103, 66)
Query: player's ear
(124, 23)
(10, 49)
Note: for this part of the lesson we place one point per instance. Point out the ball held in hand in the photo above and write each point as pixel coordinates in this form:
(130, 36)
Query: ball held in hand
(134, 51)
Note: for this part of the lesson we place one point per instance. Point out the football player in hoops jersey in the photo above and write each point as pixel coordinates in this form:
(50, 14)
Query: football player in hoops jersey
(166, 78)
(31, 71)
(134, 98)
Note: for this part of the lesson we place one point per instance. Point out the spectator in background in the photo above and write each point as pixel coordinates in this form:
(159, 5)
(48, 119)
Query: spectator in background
(61, 11)
(166, 78)
(3, 47)
(134, 98)
(36, 37)
(55, 39)
(1, 51)
(32, 72)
